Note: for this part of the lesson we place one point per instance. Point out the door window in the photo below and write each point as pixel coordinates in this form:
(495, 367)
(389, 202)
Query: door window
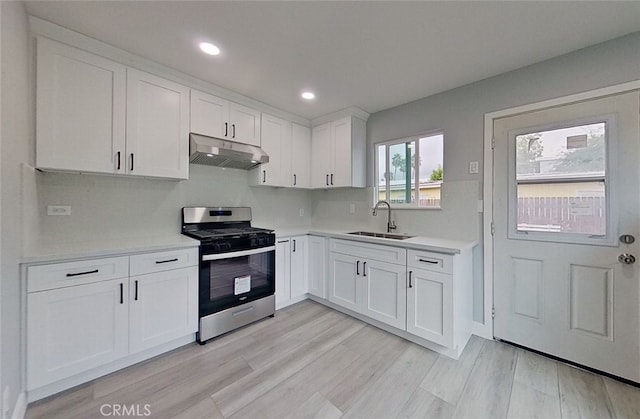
(559, 182)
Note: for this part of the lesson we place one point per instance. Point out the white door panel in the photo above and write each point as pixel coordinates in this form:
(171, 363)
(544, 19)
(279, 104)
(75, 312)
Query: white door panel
(559, 289)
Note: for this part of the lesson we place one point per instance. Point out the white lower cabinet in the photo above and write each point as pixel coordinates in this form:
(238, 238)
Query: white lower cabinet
(430, 306)
(82, 315)
(422, 294)
(367, 286)
(291, 270)
(164, 306)
(385, 292)
(73, 329)
(317, 266)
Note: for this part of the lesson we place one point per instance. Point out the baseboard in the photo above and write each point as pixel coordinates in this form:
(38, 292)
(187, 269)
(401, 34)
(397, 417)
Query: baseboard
(482, 330)
(20, 408)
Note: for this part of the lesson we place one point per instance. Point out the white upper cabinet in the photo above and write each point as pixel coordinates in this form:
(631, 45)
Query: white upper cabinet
(245, 124)
(321, 163)
(339, 153)
(209, 115)
(288, 146)
(157, 126)
(300, 175)
(81, 105)
(219, 118)
(276, 142)
(97, 116)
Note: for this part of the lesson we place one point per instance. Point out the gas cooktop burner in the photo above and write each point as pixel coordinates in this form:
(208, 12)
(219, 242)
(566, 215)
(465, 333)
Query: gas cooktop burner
(215, 233)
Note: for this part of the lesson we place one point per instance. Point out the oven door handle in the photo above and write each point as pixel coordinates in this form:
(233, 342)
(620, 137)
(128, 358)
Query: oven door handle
(218, 256)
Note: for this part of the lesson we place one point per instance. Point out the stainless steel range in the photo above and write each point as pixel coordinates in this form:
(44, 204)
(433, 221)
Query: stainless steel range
(237, 268)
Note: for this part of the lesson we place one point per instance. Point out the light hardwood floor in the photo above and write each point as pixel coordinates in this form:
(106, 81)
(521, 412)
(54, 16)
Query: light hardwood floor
(313, 362)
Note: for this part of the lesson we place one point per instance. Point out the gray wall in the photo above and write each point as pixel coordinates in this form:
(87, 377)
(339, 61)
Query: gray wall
(460, 114)
(17, 134)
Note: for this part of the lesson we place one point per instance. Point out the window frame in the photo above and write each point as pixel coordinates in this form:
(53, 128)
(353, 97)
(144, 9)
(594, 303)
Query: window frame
(415, 187)
(609, 179)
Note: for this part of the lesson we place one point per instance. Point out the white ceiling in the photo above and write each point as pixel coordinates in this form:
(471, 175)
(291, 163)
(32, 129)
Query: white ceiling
(373, 55)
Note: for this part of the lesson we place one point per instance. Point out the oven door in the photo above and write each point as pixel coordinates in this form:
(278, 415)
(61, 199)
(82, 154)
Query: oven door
(234, 278)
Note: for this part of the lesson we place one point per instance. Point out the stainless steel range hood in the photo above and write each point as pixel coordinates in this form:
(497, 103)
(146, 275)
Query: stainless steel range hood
(224, 153)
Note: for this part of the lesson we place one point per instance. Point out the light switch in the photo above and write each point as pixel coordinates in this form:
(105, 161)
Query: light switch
(473, 167)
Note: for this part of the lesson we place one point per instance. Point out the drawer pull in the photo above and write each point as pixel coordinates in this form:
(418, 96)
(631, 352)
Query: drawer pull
(166, 261)
(433, 262)
(245, 310)
(95, 271)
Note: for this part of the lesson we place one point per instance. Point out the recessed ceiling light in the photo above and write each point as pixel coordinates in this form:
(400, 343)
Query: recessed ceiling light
(209, 48)
(308, 95)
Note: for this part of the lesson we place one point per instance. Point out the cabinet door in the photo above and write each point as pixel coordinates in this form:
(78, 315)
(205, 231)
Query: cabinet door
(73, 329)
(384, 292)
(300, 156)
(321, 160)
(344, 280)
(245, 124)
(209, 115)
(164, 306)
(299, 279)
(341, 152)
(317, 256)
(80, 115)
(283, 272)
(276, 137)
(430, 306)
(157, 126)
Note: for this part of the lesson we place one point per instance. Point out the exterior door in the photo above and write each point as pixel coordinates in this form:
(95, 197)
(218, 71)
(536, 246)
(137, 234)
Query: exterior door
(565, 190)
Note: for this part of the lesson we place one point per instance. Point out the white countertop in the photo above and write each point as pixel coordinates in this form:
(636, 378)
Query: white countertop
(102, 248)
(433, 244)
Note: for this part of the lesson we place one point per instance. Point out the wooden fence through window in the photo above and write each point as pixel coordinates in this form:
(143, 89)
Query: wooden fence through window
(585, 215)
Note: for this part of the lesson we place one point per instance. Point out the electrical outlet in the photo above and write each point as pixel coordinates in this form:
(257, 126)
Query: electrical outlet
(59, 210)
(473, 167)
(352, 208)
(301, 212)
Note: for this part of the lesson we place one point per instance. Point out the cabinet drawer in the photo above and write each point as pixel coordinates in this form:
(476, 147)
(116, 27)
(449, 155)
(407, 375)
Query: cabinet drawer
(370, 251)
(431, 261)
(147, 263)
(66, 274)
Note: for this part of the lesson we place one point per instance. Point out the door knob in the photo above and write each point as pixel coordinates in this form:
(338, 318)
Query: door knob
(627, 259)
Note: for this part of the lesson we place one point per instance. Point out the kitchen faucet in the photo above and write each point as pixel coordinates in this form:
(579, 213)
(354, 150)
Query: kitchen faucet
(390, 224)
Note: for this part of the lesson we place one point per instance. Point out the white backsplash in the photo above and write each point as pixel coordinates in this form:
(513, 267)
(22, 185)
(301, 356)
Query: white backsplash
(113, 207)
(457, 219)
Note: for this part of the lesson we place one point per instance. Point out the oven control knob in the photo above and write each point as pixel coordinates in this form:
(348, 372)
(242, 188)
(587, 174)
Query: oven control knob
(216, 247)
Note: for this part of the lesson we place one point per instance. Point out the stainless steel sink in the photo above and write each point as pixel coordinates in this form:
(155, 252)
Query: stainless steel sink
(381, 235)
